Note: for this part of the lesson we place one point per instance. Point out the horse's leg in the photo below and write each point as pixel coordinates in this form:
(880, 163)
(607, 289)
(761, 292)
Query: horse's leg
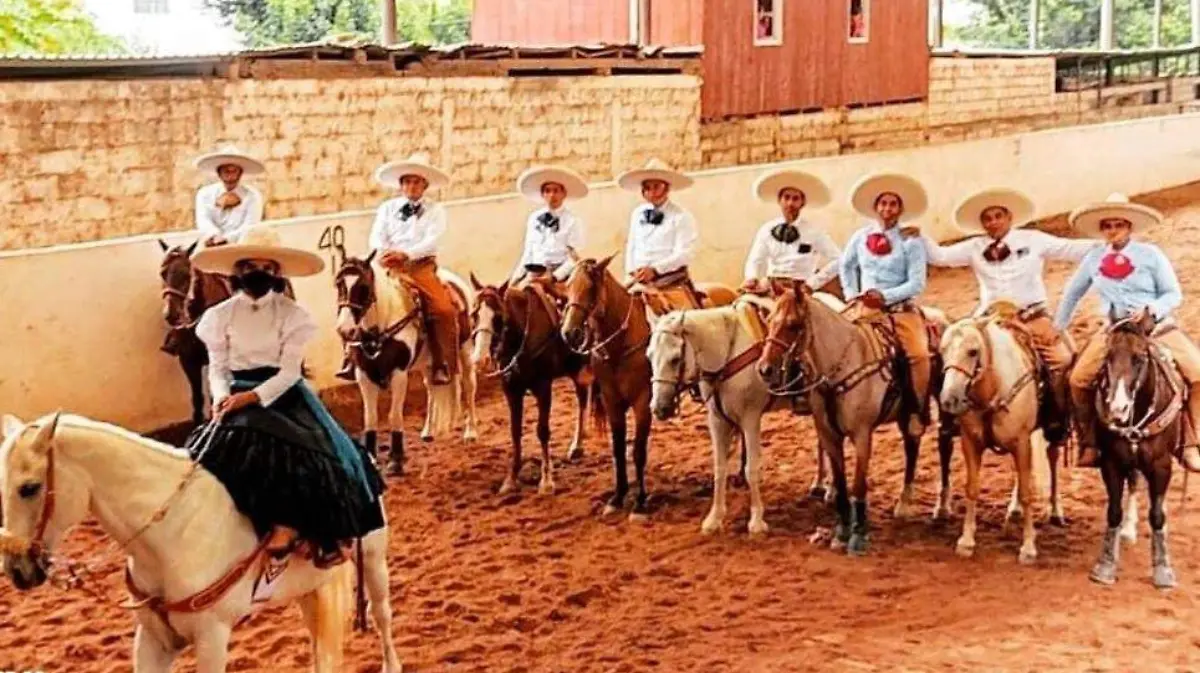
(741, 478)
(1105, 570)
(752, 445)
(515, 396)
(721, 434)
(832, 443)
(398, 385)
(149, 655)
(582, 398)
(912, 450)
(860, 527)
(212, 647)
(1023, 458)
(470, 384)
(616, 409)
(972, 451)
(820, 483)
(545, 397)
(310, 611)
(370, 400)
(375, 575)
(428, 428)
(1057, 517)
(941, 510)
(641, 442)
(1129, 523)
(1158, 478)
(194, 371)
(1014, 508)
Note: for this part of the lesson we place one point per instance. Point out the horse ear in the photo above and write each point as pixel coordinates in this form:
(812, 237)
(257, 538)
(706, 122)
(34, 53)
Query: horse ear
(603, 264)
(1146, 322)
(45, 435)
(192, 247)
(503, 289)
(475, 282)
(12, 426)
(371, 257)
(163, 244)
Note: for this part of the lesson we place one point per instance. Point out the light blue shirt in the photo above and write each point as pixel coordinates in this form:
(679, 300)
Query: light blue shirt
(1152, 284)
(898, 275)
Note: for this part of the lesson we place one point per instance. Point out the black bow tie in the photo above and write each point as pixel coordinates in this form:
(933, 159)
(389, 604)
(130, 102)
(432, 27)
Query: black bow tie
(652, 216)
(549, 221)
(411, 209)
(785, 232)
(997, 252)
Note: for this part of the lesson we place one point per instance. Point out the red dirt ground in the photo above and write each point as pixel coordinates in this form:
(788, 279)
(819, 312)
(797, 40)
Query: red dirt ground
(531, 584)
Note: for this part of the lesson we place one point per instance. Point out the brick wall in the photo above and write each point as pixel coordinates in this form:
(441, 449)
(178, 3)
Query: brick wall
(86, 160)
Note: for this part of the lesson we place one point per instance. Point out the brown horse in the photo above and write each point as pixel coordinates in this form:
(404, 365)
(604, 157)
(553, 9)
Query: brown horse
(847, 370)
(517, 331)
(187, 294)
(1138, 403)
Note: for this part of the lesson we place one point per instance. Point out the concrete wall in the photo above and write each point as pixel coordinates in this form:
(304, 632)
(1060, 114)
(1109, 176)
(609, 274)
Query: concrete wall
(82, 322)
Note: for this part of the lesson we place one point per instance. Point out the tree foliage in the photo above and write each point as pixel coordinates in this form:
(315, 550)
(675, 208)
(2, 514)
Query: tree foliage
(52, 27)
(267, 22)
(1070, 24)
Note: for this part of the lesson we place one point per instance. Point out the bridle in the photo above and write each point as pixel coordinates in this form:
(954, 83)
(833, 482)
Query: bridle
(1154, 421)
(1002, 399)
(593, 314)
(368, 341)
(797, 354)
(170, 292)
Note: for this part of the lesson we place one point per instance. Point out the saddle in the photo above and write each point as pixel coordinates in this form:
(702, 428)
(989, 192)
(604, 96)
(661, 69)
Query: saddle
(462, 307)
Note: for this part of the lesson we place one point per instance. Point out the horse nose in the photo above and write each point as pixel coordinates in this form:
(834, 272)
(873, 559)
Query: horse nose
(766, 370)
(572, 335)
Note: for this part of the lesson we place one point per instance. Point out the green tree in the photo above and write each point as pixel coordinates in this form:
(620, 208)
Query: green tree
(1070, 24)
(268, 22)
(52, 27)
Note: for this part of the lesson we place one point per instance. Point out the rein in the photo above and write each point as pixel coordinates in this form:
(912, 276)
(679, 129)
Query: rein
(511, 366)
(1002, 399)
(1155, 420)
(593, 324)
(828, 383)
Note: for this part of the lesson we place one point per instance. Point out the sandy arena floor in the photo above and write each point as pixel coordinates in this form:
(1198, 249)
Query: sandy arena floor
(538, 584)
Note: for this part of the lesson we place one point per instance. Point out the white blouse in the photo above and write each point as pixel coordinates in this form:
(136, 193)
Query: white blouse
(232, 223)
(550, 247)
(243, 333)
(415, 235)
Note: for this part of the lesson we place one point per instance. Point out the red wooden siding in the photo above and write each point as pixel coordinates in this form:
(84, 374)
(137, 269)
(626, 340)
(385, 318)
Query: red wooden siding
(816, 66)
(534, 22)
(676, 22)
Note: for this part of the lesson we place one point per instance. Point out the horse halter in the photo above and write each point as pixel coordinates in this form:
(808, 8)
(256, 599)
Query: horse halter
(794, 355)
(170, 292)
(680, 383)
(1154, 421)
(345, 294)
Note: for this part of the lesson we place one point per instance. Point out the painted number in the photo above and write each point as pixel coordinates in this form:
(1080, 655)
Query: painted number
(333, 239)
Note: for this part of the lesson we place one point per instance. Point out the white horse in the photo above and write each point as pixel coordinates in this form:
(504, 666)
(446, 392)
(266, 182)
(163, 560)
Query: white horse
(717, 348)
(58, 471)
(369, 299)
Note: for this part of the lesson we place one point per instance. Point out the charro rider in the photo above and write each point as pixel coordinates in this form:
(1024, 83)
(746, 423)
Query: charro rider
(1008, 263)
(407, 231)
(789, 247)
(228, 208)
(662, 234)
(288, 465)
(553, 233)
(886, 271)
(1131, 277)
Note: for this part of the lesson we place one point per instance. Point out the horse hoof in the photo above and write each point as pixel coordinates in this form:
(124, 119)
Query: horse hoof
(574, 453)
(546, 488)
(1027, 558)
(902, 512)
(1058, 521)
(426, 438)
(1129, 536)
(712, 524)
(758, 528)
(469, 438)
(817, 493)
(507, 487)
(857, 545)
(1104, 573)
(639, 517)
(941, 514)
(1164, 578)
(738, 481)
(395, 469)
(964, 550)
(611, 509)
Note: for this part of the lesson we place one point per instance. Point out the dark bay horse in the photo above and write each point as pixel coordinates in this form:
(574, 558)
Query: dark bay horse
(847, 370)
(1138, 403)
(517, 331)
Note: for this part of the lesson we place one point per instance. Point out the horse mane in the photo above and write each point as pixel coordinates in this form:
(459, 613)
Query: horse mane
(393, 300)
(76, 422)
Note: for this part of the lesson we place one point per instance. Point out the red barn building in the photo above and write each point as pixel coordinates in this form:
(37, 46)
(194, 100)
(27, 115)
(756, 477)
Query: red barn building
(760, 56)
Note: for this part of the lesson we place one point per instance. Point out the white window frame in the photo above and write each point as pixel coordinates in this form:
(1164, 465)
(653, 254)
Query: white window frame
(866, 13)
(776, 25)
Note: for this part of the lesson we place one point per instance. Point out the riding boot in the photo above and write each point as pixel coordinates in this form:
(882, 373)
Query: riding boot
(395, 466)
(1056, 407)
(347, 370)
(1085, 426)
(1190, 453)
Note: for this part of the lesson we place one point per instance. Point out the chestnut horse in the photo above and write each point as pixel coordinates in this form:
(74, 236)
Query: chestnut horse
(517, 331)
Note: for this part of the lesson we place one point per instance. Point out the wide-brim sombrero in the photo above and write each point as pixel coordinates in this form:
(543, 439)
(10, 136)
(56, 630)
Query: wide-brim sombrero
(389, 174)
(230, 155)
(653, 170)
(969, 210)
(529, 184)
(260, 242)
(1086, 219)
(767, 187)
(869, 188)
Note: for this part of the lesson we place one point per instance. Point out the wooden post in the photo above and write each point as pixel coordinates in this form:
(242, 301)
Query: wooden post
(1035, 20)
(1106, 25)
(387, 11)
(1156, 34)
(935, 23)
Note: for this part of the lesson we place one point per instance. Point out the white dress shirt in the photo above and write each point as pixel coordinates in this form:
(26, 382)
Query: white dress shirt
(416, 235)
(663, 247)
(243, 333)
(772, 258)
(1019, 277)
(547, 246)
(231, 223)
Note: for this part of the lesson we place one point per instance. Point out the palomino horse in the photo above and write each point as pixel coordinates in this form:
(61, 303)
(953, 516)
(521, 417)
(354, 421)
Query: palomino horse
(991, 386)
(517, 331)
(194, 562)
(1138, 425)
(187, 294)
(715, 349)
(848, 370)
(380, 319)
(612, 325)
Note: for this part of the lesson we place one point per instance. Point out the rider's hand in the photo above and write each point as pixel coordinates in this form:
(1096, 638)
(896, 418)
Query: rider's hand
(910, 231)
(393, 258)
(235, 402)
(753, 285)
(214, 241)
(229, 200)
(645, 274)
(873, 299)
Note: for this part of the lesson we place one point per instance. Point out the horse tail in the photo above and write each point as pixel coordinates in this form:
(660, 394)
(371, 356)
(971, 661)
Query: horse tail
(333, 611)
(599, 412)
(443, 405)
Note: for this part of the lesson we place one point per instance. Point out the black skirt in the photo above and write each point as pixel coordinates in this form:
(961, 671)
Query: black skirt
(281, 466)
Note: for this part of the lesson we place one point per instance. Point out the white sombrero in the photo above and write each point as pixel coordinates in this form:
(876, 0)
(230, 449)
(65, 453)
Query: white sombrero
(653, 170)
(869, 188)
(969, 210)
(390, 173)
(260, 242)
(768, 186)
(530, 182)
(1086, 219)
(230, 155)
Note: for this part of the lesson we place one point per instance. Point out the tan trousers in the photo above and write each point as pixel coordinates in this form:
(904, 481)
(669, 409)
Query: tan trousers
(440, 309)
(912, 336)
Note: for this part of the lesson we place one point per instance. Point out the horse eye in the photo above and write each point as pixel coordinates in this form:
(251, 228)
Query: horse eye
(29, 490)
(973, 352)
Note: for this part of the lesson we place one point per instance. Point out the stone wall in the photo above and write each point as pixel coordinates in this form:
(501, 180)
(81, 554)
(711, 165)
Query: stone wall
(969, 99)
(83, 160)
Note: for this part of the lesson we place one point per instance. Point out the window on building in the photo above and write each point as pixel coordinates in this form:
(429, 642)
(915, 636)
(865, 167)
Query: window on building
(768, 22)
(150, 7)
(860, 20)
